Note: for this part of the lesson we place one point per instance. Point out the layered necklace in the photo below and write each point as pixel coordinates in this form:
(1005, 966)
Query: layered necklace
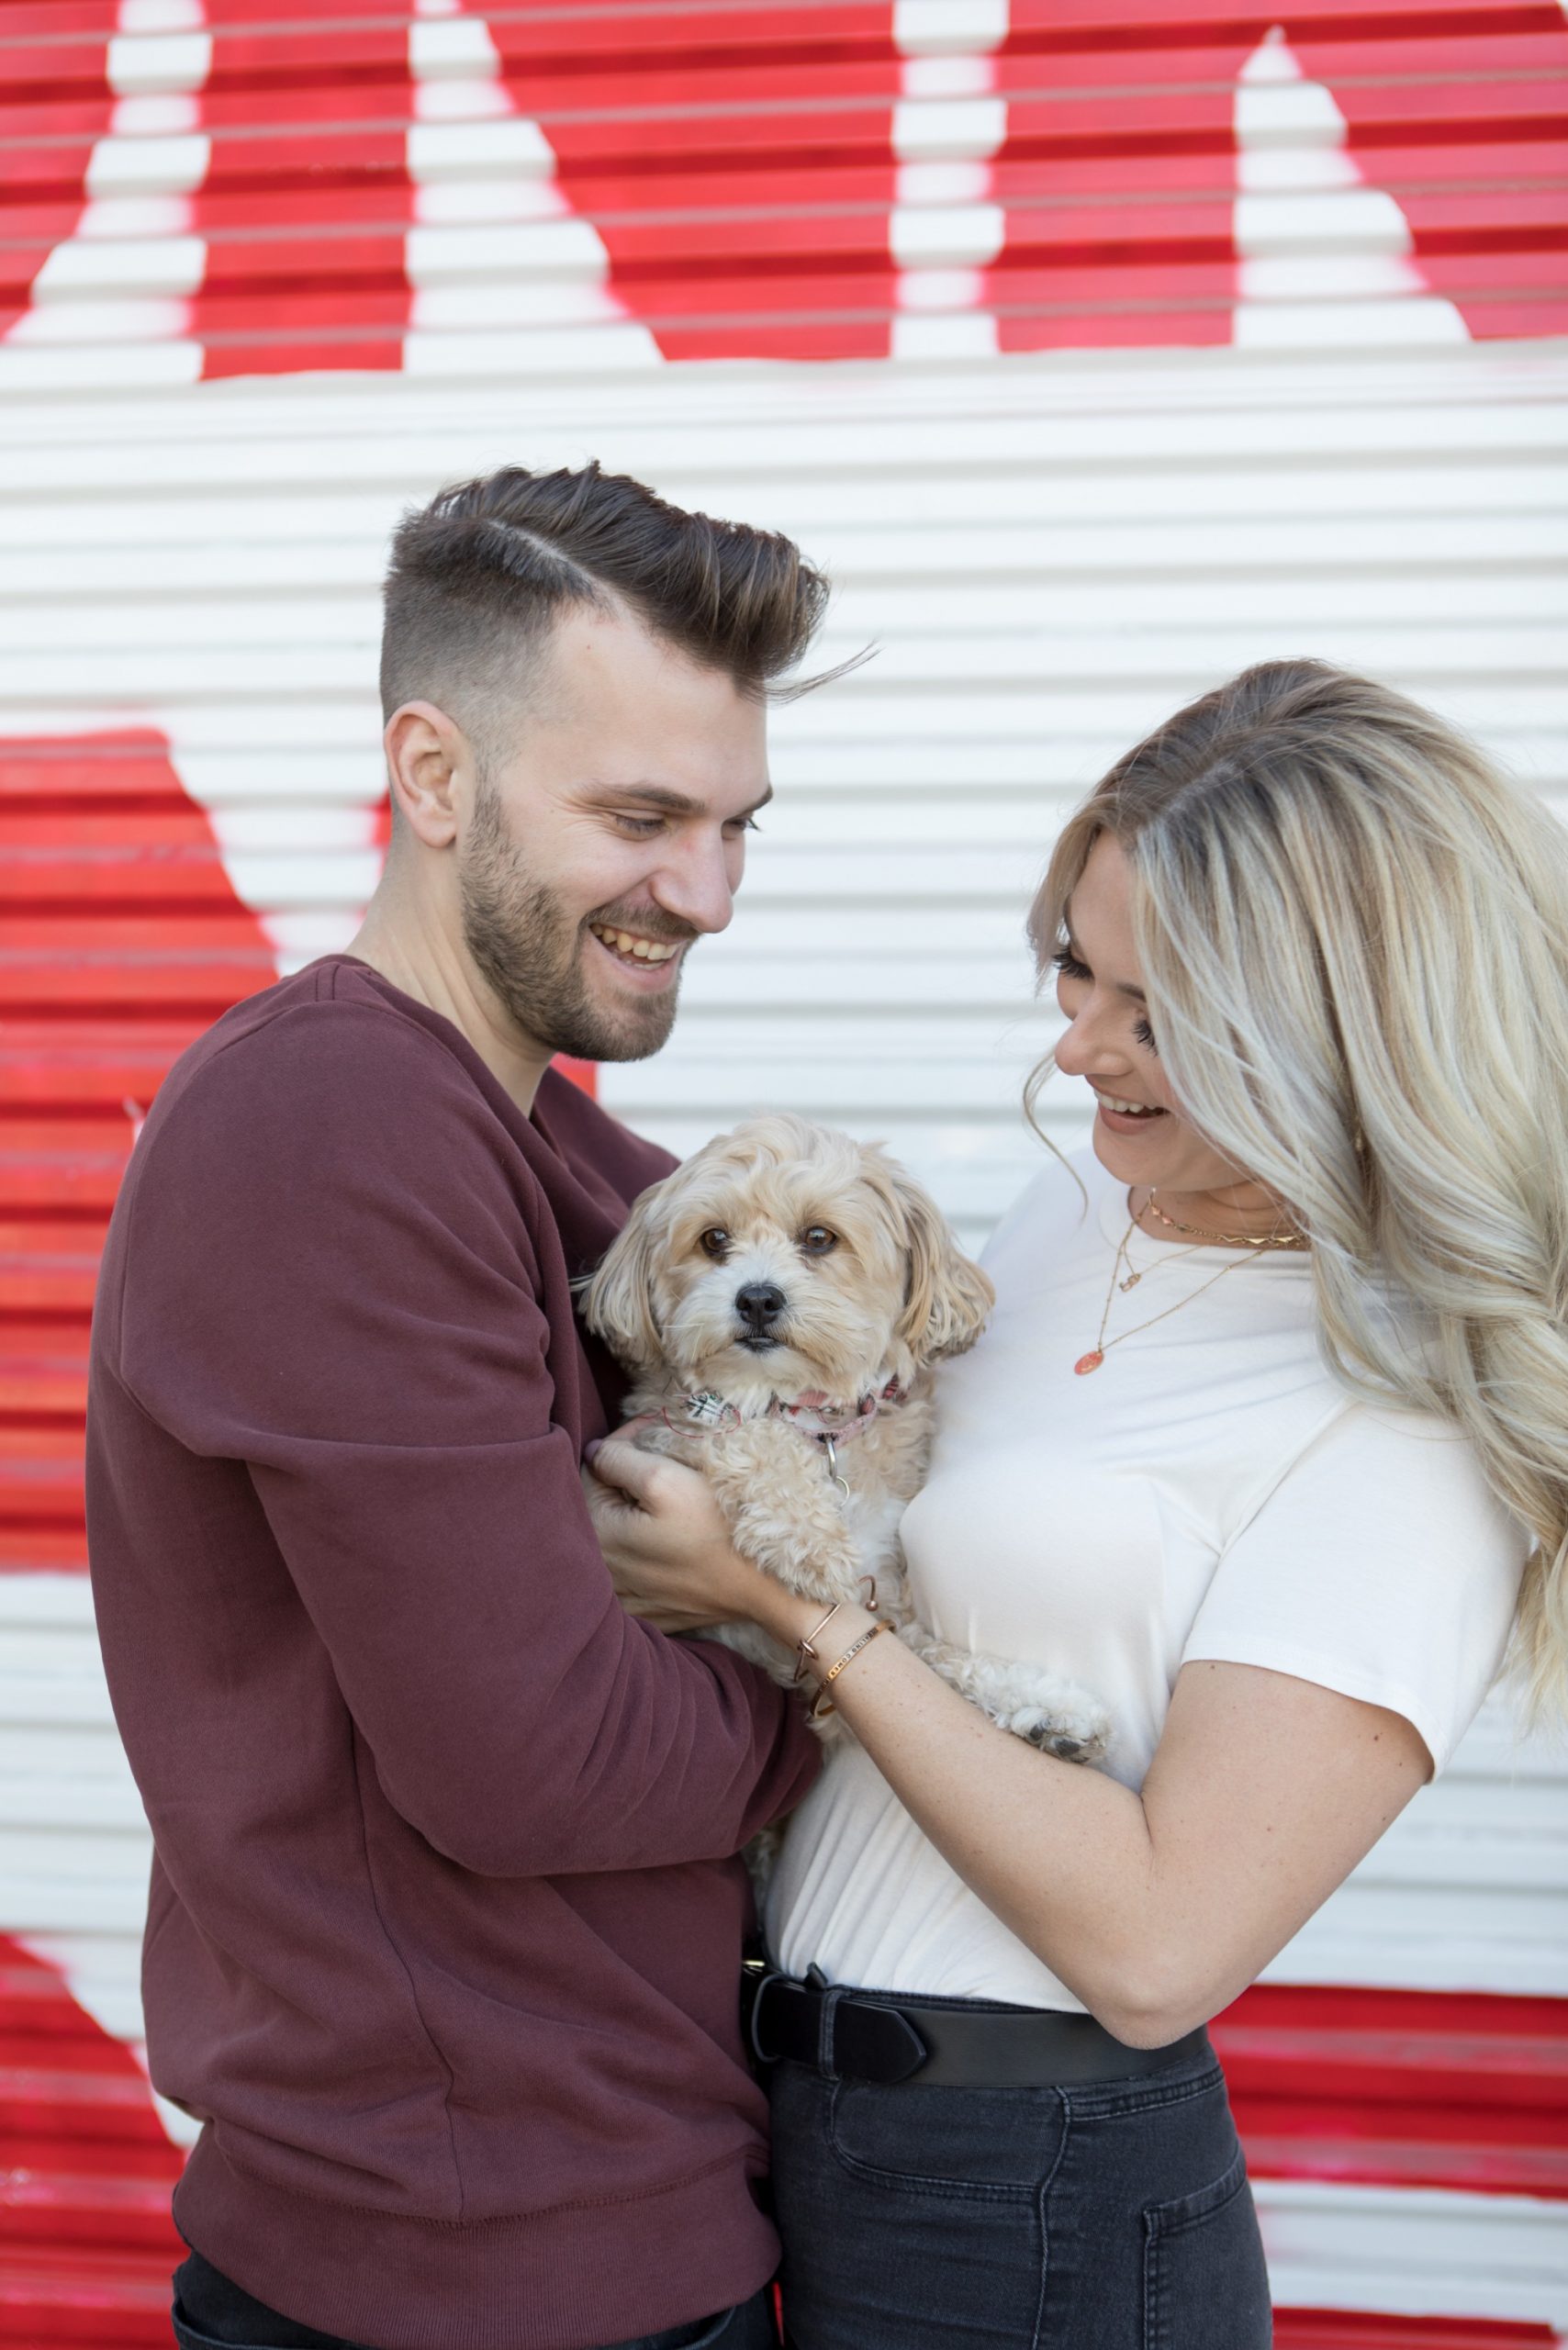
(1122, 1281)
(1281, 1236)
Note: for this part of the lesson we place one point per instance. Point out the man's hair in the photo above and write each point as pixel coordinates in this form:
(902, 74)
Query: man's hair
(479, 576)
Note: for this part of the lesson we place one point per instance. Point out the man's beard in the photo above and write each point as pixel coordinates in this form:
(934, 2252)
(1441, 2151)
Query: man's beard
(532, 952)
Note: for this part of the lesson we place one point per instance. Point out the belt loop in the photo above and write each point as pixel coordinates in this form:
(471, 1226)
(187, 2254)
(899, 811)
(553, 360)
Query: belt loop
(826, 2021)
(757, 1982)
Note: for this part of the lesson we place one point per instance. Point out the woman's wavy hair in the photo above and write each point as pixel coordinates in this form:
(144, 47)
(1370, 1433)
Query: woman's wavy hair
(1354, 940)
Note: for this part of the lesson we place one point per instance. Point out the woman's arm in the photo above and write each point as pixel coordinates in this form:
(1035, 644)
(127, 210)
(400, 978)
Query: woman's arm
(1156, 1908)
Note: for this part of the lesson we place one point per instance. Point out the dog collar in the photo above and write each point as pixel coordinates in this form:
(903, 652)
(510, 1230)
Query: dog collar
(825, 1422)
(814, 1413)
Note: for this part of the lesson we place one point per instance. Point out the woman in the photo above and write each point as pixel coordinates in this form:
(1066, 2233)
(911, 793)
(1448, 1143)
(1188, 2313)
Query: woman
(1261, 1443)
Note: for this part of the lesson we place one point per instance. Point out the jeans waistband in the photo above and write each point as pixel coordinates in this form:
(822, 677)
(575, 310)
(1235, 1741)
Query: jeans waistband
(884, 2036)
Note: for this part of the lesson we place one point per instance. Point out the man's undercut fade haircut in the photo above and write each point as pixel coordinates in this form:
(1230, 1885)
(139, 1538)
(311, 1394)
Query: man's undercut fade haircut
(479, 576)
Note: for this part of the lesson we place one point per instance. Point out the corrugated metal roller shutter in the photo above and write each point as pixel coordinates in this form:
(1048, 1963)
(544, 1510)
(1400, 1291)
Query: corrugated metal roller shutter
(817, 180)
(1097, 350)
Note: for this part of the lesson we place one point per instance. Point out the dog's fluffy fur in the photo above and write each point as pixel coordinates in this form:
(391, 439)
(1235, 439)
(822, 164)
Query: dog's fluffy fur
(888, 1296)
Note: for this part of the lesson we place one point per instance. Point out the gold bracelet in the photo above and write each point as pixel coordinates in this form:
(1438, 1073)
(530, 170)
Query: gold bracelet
(807, 1646)
(821, 1704)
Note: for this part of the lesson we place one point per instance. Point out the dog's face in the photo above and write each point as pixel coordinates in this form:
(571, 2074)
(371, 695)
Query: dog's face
(782, 1258)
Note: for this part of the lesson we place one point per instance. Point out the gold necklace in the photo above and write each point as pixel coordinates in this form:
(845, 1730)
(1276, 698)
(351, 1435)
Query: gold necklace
(1101, 1346)
(1275, 1239)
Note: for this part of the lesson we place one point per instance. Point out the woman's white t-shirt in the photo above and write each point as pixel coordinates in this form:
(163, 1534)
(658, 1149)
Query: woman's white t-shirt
(1209, 1492)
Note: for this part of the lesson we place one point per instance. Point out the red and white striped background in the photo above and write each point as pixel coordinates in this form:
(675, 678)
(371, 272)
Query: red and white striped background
(1097, 348)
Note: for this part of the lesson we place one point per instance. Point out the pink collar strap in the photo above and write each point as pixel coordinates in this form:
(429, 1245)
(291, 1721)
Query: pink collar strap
(814, 1413)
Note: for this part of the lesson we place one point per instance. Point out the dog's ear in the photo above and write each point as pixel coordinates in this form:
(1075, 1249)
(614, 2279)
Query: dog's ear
(618, 1304)
(949, 1296)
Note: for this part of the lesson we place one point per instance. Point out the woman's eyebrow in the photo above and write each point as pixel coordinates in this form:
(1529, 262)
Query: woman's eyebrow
(1123, 987)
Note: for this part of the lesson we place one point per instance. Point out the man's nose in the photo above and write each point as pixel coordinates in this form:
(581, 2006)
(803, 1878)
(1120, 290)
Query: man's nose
(759, 1303)
(697, 888)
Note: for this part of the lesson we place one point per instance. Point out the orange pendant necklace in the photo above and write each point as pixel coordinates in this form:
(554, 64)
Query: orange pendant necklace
(1101, 1346)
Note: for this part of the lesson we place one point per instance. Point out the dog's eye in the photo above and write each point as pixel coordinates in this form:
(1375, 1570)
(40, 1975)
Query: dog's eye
(715, 1242)
(816, 1240)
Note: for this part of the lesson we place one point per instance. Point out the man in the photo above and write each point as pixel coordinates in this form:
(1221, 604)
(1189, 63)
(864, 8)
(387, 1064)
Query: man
(444, 1922)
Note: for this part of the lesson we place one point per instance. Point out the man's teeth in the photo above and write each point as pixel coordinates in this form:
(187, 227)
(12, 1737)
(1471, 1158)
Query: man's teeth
(646, 950)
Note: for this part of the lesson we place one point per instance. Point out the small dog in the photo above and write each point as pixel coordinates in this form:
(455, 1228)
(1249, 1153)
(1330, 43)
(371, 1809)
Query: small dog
(780, 1302)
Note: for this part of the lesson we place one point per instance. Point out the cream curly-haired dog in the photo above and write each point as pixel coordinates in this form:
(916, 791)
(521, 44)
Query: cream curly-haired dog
(780, 1302)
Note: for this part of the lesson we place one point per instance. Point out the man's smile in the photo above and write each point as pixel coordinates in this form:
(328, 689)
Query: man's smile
(629, 946)
(653, 965)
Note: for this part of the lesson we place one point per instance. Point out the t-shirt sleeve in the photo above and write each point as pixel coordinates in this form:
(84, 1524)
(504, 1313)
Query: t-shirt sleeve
(1381, 1566)
(330, 1279)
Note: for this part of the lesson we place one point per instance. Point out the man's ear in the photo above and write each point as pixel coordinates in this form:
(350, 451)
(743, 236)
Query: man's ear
(429, 764)
(618, 1304)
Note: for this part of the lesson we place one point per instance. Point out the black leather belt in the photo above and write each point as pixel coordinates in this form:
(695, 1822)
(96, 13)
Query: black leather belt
(940, 2043)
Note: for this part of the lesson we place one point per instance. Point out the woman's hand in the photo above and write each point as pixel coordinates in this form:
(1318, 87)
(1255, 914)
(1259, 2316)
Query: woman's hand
(667, 1546)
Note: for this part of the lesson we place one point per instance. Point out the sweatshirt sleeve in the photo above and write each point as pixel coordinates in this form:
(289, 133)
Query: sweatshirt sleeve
(330, 1277)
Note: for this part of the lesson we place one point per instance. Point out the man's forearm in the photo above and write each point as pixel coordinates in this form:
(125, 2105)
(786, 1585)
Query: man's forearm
(517, 1717)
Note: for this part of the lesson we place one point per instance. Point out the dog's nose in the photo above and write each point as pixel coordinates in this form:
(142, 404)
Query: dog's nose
(759, 1303)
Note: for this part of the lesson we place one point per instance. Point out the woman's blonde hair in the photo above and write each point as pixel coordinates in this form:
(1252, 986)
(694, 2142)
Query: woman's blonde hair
(1354, 940)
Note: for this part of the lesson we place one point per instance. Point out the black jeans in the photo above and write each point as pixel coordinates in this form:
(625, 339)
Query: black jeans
(212, 2313)
(1106, 2216)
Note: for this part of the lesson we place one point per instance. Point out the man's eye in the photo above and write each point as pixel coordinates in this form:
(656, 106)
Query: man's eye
(1069, 967)
(640, 828)
(816, 1240)
(715, 1242)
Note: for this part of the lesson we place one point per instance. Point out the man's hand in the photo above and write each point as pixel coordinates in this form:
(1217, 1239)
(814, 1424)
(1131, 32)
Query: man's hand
(667, 1546)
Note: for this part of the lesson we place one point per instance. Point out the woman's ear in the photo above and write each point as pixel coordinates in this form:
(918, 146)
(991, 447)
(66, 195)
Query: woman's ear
(948, 1296)
(618, 1304)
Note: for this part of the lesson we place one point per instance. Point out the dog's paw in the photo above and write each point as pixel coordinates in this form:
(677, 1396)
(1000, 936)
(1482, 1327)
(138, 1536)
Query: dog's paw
(1069, 1741)
(1048, 1712)
(1045, 1709)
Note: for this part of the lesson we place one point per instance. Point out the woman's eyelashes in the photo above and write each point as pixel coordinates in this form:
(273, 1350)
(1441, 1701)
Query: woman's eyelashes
(1070, 967)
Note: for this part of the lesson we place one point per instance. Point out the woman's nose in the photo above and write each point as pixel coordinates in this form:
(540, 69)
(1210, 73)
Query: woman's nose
(1083, 1046)
(1074, 1048)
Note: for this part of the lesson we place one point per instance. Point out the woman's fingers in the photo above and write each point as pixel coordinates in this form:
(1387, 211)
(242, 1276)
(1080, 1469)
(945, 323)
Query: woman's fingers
(604, 1501)
(632, 1474)
(673, 1505)
(667, 1541)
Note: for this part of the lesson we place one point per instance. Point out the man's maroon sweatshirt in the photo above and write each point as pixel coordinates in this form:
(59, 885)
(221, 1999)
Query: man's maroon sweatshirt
(443, 1930)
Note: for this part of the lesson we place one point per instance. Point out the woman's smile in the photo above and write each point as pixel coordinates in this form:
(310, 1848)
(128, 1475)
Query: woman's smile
(1126, 1117)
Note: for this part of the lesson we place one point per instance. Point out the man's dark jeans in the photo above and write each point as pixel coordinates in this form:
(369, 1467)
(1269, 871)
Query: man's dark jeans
(212, 2313)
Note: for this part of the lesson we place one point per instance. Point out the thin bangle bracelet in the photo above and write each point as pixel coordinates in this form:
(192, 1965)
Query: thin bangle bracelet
(808, 1651)
(821, 1704)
